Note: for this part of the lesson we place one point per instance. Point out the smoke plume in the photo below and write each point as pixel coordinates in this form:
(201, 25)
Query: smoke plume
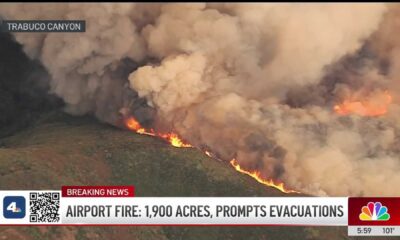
(256, 82)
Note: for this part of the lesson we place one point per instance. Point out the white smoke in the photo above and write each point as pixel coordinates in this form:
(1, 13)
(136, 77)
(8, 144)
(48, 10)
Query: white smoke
(220, 75)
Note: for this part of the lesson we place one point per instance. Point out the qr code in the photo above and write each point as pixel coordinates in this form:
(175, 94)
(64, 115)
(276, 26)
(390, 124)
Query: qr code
(44, 207)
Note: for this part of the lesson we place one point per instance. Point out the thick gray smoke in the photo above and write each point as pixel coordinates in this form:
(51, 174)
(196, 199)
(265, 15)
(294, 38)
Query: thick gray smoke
(254, 82)
(89, 71)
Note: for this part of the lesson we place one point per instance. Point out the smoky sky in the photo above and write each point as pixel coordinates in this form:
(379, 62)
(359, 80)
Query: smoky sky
(254, 82)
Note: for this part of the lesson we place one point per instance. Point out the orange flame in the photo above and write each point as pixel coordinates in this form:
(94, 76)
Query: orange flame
(257, 176)
(134, 125)
(172, 138)
(176, 141)
(376, 106)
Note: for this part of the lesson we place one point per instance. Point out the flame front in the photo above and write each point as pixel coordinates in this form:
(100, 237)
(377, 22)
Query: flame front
(257, 176)
(172, 138)
(176, 141)
(134, 125)
(376, 106)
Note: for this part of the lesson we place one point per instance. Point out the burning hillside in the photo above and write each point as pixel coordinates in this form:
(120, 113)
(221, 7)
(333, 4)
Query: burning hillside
(102, 155)
(297, 96)
(172, 138)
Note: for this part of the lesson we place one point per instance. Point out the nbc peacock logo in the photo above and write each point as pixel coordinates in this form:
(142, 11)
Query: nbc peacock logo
(374, 212)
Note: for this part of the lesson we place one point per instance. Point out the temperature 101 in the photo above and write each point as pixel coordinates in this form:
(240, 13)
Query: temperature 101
(388, 230)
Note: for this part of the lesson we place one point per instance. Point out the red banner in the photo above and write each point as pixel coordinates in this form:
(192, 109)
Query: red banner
(374, 211)
(97, 191)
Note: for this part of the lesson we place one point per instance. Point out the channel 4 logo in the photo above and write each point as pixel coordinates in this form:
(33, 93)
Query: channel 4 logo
(14, 207)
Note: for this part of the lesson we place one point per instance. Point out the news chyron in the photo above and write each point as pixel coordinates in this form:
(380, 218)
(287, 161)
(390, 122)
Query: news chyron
(119, 205)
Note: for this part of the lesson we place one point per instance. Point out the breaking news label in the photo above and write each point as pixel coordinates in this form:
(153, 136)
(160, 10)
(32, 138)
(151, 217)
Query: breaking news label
(117, 205)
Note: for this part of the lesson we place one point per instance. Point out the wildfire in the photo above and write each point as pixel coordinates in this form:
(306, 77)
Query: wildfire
(134, 125)
(172, 138)
(375, 106)
(257, 176)
(176, 141)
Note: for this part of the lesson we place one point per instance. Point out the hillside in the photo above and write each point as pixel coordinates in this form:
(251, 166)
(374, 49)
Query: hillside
(62, 150)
